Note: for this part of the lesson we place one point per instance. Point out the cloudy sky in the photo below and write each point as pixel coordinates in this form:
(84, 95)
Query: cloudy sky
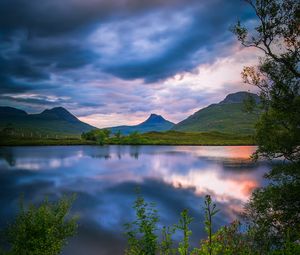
(114, 62)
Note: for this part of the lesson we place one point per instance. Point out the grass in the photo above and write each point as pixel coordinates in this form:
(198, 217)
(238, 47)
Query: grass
(151, 138)
(184, 138)
(43, 141)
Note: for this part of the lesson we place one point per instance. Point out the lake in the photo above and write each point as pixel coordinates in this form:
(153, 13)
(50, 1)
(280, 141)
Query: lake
(105, 179)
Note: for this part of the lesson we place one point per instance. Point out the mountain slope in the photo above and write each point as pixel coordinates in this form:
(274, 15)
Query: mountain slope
(8, 112)
(153, 123)
(56, 121)
(227, 116)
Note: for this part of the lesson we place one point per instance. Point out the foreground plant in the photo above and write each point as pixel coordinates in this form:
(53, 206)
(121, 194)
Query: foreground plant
(141, 234)
(183, 226)
(43, 229)
(227, 240)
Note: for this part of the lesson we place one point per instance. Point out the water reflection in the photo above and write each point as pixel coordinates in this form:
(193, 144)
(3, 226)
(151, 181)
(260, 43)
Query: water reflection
(105, 178)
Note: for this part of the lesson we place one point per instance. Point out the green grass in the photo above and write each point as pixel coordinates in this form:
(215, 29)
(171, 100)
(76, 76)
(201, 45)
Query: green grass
(151, 138)
(180, 138)
(43, 141)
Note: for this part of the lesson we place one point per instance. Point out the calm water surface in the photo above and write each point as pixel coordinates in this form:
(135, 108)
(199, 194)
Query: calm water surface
(105, 178)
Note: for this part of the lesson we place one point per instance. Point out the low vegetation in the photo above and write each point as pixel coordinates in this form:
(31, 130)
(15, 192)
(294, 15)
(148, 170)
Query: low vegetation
(43, 141)
(102, 137)
(145, 237)
(44, 230)
(41, 230)
(181, 138)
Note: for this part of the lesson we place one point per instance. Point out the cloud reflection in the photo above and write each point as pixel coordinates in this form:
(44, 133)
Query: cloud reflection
(105, 178)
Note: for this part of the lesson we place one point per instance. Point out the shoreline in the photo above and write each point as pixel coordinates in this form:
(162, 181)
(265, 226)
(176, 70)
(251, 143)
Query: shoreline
(147, 139)
(110, 144)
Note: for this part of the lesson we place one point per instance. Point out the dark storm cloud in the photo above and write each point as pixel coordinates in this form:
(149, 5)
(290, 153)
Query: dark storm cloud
(20, 67)
(72, 20)
(65, 48)
(18, 75)
(201, 41)
(55, 16)
(10, 86)
(57, 54)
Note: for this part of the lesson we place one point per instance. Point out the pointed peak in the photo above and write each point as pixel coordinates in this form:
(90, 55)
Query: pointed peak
(155, 119)
(155, 116)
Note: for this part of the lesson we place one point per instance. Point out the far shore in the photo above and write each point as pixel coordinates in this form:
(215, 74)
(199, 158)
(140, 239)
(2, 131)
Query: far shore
(70, 142)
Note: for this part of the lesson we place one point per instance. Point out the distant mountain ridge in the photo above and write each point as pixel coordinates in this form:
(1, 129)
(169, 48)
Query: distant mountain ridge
(51, 121)
(227, 116)
(6, 111)
(58, 113)
(153, 123)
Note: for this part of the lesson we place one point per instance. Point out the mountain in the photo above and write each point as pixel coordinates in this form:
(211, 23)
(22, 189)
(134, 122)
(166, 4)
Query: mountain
(7, 112)
(56, 121)
(227, 116)
(239, 97)
(57, 113)
(153, 123)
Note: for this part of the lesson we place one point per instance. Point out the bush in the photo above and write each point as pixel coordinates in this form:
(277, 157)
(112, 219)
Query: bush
(42, 230)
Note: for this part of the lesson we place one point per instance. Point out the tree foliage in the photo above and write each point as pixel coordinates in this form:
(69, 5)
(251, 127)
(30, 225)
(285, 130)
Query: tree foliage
(100, 136)
(273, 211)
(277, 76)
(41, 230)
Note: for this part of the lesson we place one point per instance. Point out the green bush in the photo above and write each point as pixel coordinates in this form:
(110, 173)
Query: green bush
(41, 230)
(100, 136)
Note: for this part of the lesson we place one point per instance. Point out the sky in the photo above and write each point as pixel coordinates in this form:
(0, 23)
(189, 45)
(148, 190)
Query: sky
(113, 62)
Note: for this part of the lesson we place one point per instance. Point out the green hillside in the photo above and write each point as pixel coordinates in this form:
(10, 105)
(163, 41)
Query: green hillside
(54, 122)
(227, 116)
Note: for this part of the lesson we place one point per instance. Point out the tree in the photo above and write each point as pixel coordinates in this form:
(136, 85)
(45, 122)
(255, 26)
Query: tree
(277, 32)
(42, 230)
(118, 134)
(272, 210)
(249, 104)
(277, 76)
(89, 135)
(98, 135)
(134, 138)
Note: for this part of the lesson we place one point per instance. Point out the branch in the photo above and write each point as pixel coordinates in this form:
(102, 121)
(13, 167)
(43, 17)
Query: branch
(267, 50)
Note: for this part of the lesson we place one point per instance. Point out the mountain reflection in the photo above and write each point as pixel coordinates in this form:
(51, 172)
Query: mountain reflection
(105, 178)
